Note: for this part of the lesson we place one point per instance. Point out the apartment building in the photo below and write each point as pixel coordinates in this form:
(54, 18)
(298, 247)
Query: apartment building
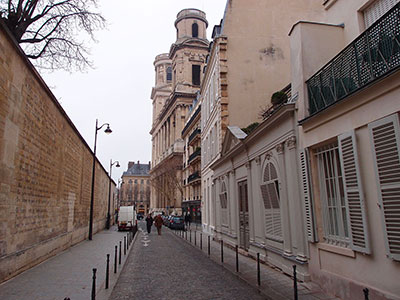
(345, 72)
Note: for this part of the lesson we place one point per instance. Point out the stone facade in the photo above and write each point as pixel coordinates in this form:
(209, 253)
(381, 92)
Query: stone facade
(186, 58)
(45, 169)
(135, 187)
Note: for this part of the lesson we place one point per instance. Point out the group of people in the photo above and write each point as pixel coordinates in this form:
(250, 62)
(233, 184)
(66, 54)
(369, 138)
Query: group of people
(158, 222)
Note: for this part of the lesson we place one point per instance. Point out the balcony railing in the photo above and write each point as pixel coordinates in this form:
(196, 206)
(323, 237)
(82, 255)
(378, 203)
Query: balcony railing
(195, 133)
(194, 154)
(193, 177)
(373, 55)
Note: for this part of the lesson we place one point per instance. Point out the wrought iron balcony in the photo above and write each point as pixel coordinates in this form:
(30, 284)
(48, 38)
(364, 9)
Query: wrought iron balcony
(194, 134)
(193, 177)
(194, 155)
(373, 55)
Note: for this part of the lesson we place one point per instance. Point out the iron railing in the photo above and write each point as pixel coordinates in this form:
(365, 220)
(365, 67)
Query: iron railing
(193, 177)
(194, 134)
(374, 54)
(194, 154)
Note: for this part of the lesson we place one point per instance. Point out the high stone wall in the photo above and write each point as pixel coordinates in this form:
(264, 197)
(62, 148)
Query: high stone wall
(45, 169)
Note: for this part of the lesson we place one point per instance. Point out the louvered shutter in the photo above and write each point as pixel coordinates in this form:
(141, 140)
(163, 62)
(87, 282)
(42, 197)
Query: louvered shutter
(385, 138)
(353, 193)
(306, 194)
(377, 10)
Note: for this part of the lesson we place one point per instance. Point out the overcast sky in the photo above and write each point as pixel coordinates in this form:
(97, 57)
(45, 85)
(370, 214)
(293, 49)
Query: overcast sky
(118, 90)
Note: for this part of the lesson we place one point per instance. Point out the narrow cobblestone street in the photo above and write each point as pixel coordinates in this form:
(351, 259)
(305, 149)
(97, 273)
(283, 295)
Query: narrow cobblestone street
(166, 267)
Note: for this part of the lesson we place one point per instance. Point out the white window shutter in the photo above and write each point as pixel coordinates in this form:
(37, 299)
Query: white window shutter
(376, 10)
(385, 137)
(306, 194)
(353, 193)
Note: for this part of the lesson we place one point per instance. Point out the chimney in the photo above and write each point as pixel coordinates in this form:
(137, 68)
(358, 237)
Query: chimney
(130, 164)
(138, 162)
(149, 165)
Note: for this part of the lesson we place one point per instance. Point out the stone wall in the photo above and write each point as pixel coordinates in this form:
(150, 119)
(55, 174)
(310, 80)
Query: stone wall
(45, 169)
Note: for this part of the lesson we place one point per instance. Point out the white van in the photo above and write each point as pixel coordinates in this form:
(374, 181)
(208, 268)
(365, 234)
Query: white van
(126, 218)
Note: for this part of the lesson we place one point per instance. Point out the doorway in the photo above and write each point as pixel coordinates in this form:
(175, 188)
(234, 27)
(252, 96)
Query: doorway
(244, 235)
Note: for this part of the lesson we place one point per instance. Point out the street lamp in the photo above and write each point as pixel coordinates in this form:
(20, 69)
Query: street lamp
(109, 192)
(108, 131)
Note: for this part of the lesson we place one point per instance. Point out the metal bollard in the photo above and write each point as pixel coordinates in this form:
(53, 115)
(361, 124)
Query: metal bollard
(186, 235)
(296, 297)
(237, 258)
(258, 270)
(124, 245)
(190, 233)
(115, 259)
(366, 294)
(107, 270)
(120, 252)
(222, 251)
(209, 250)
(195, 242)
(94, 285)
(201, 241)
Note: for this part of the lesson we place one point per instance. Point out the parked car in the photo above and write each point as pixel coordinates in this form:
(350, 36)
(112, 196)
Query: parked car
(177, 223)
(140, 216)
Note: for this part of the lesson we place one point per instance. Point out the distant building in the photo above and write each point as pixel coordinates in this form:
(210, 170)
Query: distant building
(191, 173)
(178, 78)
(135, 187)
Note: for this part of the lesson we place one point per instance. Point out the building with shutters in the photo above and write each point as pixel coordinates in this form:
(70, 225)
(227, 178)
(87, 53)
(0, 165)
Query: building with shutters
(135, 187)
(257, 191)
(178, 78)
(345, 72)
(247, 63)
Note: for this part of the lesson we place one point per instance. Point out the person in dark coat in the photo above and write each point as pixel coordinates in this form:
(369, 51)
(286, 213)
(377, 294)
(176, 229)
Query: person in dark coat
(149, 223)
(158, 221)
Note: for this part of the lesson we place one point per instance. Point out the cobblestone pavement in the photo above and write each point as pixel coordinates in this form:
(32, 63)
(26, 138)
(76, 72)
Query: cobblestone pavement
(167, 267)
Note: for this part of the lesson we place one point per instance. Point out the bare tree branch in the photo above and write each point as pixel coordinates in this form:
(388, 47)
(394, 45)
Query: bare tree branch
(52, 32)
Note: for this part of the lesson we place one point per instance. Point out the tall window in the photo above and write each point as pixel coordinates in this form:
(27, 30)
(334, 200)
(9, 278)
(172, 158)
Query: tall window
(270, 195)
(332, 195)
(223, 198)
(195, 30)
(169, 74)
(196, 74)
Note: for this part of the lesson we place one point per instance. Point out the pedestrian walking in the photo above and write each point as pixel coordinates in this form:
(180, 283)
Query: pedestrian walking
(188, 219)
(149, 223)
(158, 221)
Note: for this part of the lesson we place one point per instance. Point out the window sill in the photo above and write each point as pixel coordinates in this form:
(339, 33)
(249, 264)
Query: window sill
(336, 249)
(328, 4)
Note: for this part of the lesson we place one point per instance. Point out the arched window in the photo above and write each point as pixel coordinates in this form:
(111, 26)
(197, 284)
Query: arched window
(270, 195)
(195, 30)
(223, 198)
(169, 74)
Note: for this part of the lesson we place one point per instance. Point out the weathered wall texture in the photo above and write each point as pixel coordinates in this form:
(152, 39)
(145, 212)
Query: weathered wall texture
(45, 170)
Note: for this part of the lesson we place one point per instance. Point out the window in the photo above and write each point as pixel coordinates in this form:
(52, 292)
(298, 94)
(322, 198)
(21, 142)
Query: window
(376, 10)
(169, 74)
(332, 195)
(270, 195)
(223, 198)
(196, 74)
(195, 30)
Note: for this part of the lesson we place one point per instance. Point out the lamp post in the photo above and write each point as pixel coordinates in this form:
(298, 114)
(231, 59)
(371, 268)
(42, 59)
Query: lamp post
(109, 192)
(108, 131)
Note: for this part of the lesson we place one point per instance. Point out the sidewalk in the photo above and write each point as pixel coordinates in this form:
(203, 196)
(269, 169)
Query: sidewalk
(69, 274)
(274, 284)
